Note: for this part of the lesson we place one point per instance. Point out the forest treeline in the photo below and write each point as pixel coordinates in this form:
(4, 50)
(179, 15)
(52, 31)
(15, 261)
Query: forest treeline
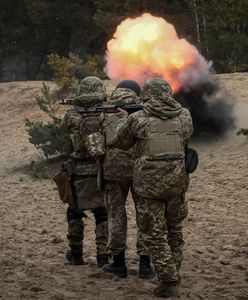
(30, 30)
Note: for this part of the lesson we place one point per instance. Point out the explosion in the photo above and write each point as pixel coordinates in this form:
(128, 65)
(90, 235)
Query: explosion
(149, 46)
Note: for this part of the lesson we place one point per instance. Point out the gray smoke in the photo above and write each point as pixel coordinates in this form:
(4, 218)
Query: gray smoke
(211, 110)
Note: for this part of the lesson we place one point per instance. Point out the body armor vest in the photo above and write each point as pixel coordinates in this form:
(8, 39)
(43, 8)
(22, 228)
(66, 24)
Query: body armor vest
(164, 137)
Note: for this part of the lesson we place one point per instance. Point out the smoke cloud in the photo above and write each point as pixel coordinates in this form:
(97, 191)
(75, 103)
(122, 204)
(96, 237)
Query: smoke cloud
(149, 46)
(211, 110)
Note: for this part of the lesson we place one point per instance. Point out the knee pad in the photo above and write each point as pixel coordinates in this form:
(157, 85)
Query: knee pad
(100, 214)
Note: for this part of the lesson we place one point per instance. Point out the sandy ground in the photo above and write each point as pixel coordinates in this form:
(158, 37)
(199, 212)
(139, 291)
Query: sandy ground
(33, 225)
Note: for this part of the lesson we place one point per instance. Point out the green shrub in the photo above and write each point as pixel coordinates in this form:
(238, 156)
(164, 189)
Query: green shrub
(243, 131)
(68, 70)
(48, 136)
(38, 171)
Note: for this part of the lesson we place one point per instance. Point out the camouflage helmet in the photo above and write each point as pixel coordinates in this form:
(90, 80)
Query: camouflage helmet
(123, 96)
(156, 87)
(91, 91)
(129, 84)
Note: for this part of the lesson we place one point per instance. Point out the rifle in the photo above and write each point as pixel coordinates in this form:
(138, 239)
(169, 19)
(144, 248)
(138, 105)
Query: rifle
(109, 109)
(112, 109)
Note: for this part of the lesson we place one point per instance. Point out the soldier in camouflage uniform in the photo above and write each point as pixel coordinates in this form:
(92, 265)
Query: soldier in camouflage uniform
(118, 177)
(160, 133)
(82, 172)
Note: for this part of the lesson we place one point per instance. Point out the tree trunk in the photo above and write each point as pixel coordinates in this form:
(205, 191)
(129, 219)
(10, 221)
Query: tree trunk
(66, 33)
(197, 22)
(42, 57)
(204, 26)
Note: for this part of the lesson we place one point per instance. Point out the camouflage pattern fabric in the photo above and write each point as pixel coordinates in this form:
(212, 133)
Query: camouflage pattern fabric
(118, 164)
(95, 145)
(122, 96)
(76, 230)
(158, 99)
(71, 124)
(159, 219)
(82, 168)
(158, 222)
(115, 201)
(90, 91)
(118, 174)
(75, 236)
(154, 174)
(101, 229)
(81, 127)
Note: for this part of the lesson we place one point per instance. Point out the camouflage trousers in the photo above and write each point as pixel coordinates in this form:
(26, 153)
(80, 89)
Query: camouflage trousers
(161, 230)
(76, 230)
(115, 201)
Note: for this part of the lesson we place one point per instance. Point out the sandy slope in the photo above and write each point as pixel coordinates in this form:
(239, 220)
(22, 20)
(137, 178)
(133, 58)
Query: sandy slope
(33, 228)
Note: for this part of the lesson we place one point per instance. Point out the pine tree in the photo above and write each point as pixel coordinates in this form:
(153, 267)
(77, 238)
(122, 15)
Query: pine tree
(48, 136)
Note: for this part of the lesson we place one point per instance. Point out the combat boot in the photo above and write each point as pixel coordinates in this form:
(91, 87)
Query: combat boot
(118, 266)
(102, 259)
(74, 259)
(166, 290)
(145, 269)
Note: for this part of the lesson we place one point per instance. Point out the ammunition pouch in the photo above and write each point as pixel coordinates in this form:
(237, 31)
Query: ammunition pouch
(191, 160)
(63, 183)
(95, 145)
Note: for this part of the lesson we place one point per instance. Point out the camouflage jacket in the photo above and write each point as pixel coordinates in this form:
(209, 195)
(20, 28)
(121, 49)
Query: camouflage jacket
(131, 131)
(157, 172)
(118, 164)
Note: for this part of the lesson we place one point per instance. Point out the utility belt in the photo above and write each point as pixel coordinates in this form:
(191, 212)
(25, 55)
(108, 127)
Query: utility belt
(79, 177)
(80, 167)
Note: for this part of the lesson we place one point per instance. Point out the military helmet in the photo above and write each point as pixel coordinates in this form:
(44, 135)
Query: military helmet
(91, 90)
(155, 87)
(123, 96)
(129, 84)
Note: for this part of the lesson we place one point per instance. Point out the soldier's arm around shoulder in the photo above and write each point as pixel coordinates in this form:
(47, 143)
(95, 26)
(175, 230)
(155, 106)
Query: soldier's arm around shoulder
(187, 124)
(124, 137)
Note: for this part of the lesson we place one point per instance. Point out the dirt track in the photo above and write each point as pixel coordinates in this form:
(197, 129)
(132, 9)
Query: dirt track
(33, 225)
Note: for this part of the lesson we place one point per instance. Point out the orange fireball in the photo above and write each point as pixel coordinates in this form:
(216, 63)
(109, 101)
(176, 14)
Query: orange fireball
(149, 46)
